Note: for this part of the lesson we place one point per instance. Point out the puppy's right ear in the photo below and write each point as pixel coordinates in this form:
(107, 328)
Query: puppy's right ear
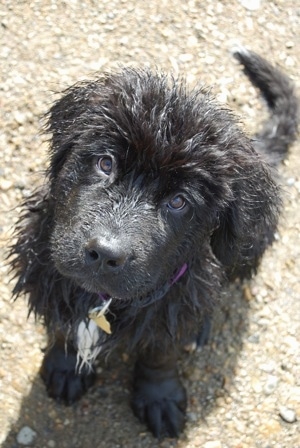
(31, 262)
(61, 123)
(30, 253)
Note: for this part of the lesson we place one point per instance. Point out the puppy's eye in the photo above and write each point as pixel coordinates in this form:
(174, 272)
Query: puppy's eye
(105, 164)
(177, 202)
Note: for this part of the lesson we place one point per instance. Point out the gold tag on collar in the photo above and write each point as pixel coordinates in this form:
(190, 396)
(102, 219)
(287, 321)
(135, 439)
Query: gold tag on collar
(98, 316)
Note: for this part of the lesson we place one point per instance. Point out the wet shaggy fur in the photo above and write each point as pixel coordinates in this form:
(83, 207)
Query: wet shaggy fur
(146, 177)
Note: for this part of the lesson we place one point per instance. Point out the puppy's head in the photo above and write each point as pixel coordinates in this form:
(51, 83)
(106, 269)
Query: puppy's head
(142, 174)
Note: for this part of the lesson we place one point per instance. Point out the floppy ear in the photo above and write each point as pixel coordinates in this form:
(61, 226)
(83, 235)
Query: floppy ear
(31, 260)
(247, 224)
(30, 253)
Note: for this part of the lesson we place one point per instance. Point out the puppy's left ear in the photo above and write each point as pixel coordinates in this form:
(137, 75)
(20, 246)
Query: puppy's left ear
(247, 224)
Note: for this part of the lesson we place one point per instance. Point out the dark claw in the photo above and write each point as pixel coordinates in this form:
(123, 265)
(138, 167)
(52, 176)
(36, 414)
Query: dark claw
(59, 374)
(159, 400)
(154, 419)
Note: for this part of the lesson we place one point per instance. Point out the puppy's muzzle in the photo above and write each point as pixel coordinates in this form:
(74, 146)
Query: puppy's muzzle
(104, 256)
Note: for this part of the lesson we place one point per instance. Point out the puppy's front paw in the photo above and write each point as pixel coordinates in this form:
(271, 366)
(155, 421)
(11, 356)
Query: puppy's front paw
(59, 374)
(159, 400)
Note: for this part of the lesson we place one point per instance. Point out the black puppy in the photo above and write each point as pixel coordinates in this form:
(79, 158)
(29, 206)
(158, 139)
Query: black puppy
(154, 197)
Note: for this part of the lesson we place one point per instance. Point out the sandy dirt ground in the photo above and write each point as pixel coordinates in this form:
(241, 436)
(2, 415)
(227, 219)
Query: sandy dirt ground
(244, 386)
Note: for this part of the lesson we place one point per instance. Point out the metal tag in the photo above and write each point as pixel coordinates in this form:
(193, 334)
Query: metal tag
(98, 316)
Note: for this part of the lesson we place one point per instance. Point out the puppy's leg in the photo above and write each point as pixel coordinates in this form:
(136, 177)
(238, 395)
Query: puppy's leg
(159, 399)
(59, 373)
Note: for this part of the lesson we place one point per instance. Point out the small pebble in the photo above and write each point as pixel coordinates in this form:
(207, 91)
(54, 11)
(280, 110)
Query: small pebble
(185, 57)
(19, 117)
(5, 184)
(26, 436)
(192, 417)
(251, 5)
(268, 367)
(287, 414)
(270, 385)
(289, 44)
(213, 444)
(290, 181)
(254, 339)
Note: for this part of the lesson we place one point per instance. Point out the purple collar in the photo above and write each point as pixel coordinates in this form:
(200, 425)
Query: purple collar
(159, 293)
(179, 274)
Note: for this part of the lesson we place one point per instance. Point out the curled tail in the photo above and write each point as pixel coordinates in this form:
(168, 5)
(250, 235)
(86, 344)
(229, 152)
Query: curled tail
(280, 130)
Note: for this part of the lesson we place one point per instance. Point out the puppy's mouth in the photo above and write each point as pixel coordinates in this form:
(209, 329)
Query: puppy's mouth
(97, 314)
(159, 293)
(153, 296)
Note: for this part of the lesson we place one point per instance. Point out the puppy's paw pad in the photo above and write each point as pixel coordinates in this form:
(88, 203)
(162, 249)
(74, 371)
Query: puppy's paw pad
(59, 374)
(161, 405)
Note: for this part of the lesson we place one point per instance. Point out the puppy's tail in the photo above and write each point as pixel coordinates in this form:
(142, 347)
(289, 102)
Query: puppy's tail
(280, 130)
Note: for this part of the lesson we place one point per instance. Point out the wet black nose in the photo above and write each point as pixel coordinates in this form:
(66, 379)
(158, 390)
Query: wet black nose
(107, 256)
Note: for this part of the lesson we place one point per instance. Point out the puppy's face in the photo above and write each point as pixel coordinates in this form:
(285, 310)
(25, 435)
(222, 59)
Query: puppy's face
(117, 233)
(121, 231)
(135, 184)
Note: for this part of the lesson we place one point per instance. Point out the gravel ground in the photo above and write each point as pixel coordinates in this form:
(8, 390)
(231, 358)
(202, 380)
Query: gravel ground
(244, 388)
